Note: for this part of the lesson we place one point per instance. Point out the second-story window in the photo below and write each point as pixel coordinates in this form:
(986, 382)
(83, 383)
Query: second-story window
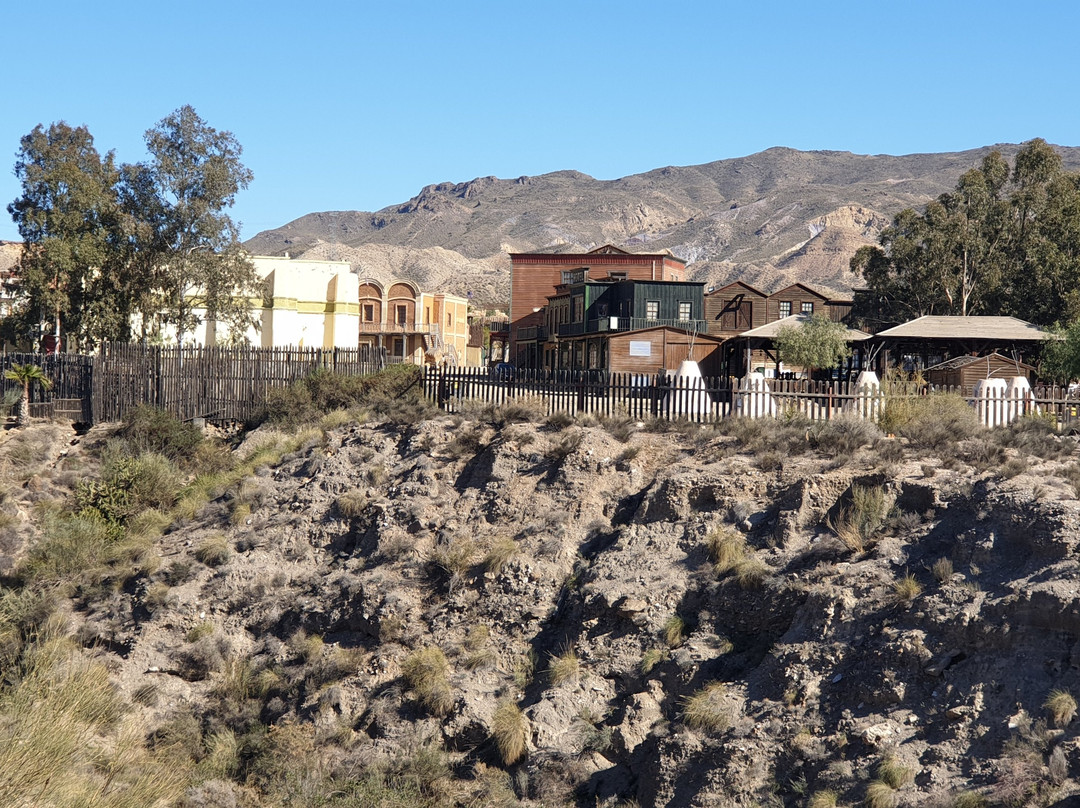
(807, 307)
(652, 309)
(369, 312)
(785, 308)
(685, 308)
(401, 314)
(578, 304)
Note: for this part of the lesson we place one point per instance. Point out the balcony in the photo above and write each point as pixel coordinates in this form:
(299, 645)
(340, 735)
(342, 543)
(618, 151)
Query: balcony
(399, 328)
(604, 324)
(532, 332)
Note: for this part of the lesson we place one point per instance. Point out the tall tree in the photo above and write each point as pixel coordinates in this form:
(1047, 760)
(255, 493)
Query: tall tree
(817, 342)
(68, 218)
(998, 243)
(184, 239)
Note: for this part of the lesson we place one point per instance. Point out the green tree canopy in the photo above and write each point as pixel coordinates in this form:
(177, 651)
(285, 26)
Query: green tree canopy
(817, 342)
(1000, 243)
(184, 239)
(69, 219)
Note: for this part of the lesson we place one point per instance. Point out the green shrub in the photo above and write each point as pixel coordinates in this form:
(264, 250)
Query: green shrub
(148, 429)
(706, 709)
(938, 421)
(843, 435)
(510, 729)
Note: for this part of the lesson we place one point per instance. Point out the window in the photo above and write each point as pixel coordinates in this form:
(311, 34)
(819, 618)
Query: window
(579, 309)
(684, 310)
(785, 308)
(652, 309)
(401, 314)
(397, 347)
(369, 312)
(807, 308)
(617, 276)
(449, 321)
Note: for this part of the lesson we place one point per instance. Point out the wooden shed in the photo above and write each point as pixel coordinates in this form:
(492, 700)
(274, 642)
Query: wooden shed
(650, 350)
(735, 308)
(965, 371)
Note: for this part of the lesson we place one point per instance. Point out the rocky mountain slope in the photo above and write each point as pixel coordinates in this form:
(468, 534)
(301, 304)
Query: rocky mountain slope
(771, 218)
(502, 610)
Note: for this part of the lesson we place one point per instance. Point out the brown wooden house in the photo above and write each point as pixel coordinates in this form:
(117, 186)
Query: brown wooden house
(802, 299)
(735, 308)
(663, 348)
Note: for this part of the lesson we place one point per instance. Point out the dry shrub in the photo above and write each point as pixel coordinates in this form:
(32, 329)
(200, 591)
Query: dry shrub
(567, 442)
(893, 773)
(427, 673)
(968, 799)
(942, 570)
(938, 421)
(825, 798)
(352, 503)
(906, 589)
(510, 729)
(675, 631)
(563, 667)
(214, 550)
(879, 795)
(726, 547)
(862, 518)
(651, 658)
(706, 709)
(501, 551)
(844, 435)
(1061, 706)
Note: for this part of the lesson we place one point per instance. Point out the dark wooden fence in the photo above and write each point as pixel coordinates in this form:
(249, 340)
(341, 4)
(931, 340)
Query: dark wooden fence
(219, 384)
(711, 398)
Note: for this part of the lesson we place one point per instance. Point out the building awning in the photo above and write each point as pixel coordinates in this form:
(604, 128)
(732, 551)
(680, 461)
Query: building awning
(960, 328)
(770, 330)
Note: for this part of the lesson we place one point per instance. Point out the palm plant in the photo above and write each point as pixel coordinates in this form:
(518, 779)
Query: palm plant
(27, 375)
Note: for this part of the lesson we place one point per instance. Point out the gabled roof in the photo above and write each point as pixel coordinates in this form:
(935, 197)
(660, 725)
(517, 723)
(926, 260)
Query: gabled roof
(934, 326)
(831, 298)
(608, 249)
(743, 284)
(770, 330)
(963, 361)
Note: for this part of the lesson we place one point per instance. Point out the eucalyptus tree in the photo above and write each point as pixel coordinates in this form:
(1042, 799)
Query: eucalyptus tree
(186, 246)
(69, 219)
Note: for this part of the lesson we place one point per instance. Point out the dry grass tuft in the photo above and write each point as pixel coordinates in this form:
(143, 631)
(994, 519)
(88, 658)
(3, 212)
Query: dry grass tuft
(879, 795)
(510, 729)
(942, 570)
(427, 673)
(214, 550)
(1062, 707)
(906, 589)
(501, 551)
(706, 709)
(563, 668)
(675, 631)
(822, 799)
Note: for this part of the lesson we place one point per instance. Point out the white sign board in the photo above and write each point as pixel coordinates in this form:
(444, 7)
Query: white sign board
(640, 347)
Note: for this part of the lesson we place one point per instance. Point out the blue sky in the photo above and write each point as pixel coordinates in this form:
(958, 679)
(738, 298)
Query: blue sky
(351, 106)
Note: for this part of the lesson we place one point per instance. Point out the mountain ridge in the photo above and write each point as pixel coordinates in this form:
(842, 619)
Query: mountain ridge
(778, 216)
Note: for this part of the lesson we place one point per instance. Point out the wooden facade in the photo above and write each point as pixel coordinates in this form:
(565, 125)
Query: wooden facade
(735, 308)
(801, 299)
(965, 371)
(534, 277)
(667, 348)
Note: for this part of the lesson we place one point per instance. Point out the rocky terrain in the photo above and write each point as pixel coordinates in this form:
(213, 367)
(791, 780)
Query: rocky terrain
(517, 611)
(771, 219)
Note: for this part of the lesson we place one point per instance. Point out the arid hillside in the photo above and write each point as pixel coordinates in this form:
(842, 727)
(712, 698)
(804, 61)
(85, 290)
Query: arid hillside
(771, 218)
(500, 609)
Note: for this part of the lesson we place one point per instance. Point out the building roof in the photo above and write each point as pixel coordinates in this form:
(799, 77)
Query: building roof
(770, 330)
(720, 289)
(963, 361)
(943, 327)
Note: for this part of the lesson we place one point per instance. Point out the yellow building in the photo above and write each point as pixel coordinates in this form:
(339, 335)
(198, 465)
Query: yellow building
(323, 304)
(413, 326)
